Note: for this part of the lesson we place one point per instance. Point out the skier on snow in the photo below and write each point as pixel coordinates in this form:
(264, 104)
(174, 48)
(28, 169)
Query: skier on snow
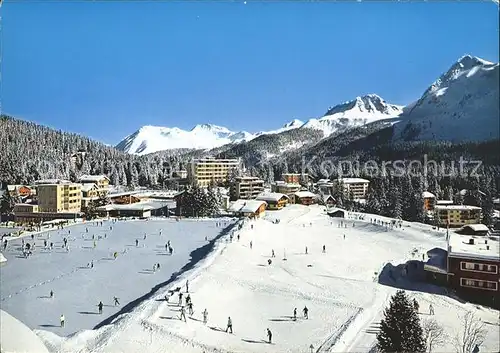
(269, 336)
(100, 305)
(229, 324)
(116, 301)
(306, 312)
(62, 319)
(183, 314)
(205, 316)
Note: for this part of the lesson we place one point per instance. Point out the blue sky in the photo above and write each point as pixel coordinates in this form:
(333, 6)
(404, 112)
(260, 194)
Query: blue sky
(104, 69)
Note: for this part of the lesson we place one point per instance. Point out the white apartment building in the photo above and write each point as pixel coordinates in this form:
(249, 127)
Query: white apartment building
(357, 186)
(246, 188)
(205, 171)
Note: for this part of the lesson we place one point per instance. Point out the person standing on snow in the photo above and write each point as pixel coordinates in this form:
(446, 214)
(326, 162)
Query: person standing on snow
(190, 308)
(229, 325)
(306, 250)
(251, 244)
(269, 336)
(137, 242)
(306, 312)
(180, 298)
(100, 305)
(295, 314)
(272, 253)
(51, 294)
(324, 249)
(187, 286)
(116, 301)
(205, 316)
(62, 319)
(431, 309)
(415, 305)
(183, 314)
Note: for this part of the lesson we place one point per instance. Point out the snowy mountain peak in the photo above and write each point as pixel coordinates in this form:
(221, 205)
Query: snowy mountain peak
(370, 103)
(357, 112)
(461, 105)
(293, 123)
(468, 61)
(211, 127)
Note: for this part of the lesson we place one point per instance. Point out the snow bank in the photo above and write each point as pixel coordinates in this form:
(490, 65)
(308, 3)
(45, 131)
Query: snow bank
(16, 337)
(2, 259)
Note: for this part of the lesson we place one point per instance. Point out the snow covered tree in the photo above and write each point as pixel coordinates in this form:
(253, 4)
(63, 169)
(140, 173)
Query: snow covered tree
(471, 334)
(134, 176)
(7, 203)
(102, 200)
(400, 329)
(434, 334)
(396, 203)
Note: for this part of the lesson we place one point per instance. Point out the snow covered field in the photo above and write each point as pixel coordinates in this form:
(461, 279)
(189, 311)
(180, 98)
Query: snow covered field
(25, 283)
(340, 287)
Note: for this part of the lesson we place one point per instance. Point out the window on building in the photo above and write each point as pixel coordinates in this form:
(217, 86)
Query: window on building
(479, 284)
(478, 267)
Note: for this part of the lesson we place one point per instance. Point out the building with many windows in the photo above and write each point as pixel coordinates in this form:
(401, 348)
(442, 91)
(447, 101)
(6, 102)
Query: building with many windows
(205, 171)
(285, 188)
(246, 188)
(62, 196)
(456, 215)
(101, 183)
(57, 199)
(358, 187)
(473, 266)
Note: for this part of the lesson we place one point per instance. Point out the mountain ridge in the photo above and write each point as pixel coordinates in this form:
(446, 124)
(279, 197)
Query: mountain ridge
(352, 113)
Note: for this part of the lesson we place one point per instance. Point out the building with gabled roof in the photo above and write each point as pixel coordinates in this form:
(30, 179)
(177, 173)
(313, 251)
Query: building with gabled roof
(101, 181)
(305, 197)
(248, 208)
(275, 201)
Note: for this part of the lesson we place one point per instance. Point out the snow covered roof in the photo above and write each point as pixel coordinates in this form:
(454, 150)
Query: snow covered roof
(52, 181)
(444, 202)
(271, 196)
(301, 194)
(427, 194)
(457, 207)
(17, 337)
(484, 247)
(246, 206)
(88, 186)
(16, 187)
(353, 180)
(476, 227)
(92, 178)
(336, 209)
(128, 207)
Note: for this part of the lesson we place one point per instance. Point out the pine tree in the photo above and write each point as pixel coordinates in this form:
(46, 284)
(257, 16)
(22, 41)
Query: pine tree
(400, 329)
(396, 203)
(7, 203)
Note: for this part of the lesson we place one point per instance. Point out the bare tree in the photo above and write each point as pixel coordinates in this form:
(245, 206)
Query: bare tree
(471, 335)
(434, 334)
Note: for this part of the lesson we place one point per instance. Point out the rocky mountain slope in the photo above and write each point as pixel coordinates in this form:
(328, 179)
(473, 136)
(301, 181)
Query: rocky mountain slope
(461, 105)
